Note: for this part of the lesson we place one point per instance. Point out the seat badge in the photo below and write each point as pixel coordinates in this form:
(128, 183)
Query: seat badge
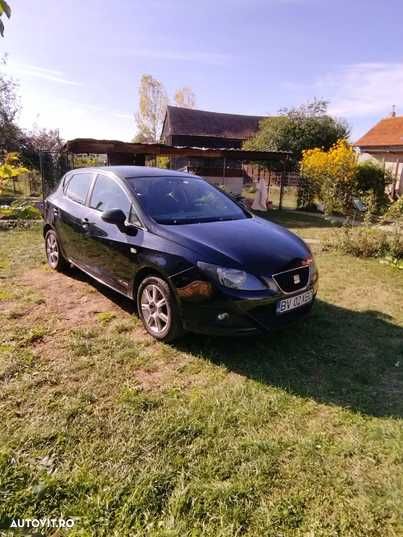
(297, 279)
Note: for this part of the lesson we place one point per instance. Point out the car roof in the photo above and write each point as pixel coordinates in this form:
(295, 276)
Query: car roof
(125, 172)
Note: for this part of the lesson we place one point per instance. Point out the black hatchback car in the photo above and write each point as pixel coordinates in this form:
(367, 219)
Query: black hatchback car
(189, 255)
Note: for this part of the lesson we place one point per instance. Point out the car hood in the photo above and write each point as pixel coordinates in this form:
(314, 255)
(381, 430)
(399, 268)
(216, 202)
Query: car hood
(253, 244)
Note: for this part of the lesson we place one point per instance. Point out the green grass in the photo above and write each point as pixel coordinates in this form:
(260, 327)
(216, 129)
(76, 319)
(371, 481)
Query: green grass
(295, 434)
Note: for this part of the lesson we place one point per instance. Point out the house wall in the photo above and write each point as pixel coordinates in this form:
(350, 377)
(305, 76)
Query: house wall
(392, 162)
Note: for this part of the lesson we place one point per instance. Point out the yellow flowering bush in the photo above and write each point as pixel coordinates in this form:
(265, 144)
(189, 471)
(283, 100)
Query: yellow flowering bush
(329, 176)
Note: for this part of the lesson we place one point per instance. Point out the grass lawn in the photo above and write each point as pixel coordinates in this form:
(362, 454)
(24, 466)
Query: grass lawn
(295, 434)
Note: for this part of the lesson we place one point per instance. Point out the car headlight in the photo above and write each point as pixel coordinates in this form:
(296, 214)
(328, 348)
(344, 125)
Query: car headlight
(232, 278)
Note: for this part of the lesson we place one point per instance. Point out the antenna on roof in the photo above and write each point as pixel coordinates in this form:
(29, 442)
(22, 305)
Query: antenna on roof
(393, 114)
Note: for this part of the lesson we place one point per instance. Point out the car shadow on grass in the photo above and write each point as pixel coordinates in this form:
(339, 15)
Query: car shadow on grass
(335, 356)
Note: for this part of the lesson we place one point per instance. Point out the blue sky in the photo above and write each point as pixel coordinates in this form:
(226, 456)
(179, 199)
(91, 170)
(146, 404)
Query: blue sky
(79, 62)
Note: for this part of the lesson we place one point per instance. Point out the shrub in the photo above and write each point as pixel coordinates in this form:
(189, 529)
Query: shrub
(395, 211)
(367, 242)
(329, 175)
(370, 183)
(23, 212)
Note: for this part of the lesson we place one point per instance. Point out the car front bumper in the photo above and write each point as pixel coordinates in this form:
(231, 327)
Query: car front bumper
(228, 315)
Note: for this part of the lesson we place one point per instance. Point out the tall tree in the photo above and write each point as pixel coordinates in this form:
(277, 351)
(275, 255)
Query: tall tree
(9, 108)
(297, 129)
(153, 102)
(4, 9)
(185, 97)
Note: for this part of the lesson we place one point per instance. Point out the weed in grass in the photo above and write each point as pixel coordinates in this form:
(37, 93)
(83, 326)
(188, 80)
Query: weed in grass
(134, 400)
(105, 317)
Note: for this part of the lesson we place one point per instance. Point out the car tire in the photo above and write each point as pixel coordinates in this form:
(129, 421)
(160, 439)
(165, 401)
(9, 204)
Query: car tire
(158, 309)
(54, 255)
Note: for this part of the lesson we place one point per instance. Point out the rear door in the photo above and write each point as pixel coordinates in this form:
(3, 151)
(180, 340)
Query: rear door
(110, 256)
(71, 216)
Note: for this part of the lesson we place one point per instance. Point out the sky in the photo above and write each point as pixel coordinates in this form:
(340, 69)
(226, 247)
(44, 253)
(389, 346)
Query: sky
(78, 63)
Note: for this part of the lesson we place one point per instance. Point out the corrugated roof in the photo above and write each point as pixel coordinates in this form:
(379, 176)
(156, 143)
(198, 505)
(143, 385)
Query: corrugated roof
(388, 132)
(92, 145)
(191, 122)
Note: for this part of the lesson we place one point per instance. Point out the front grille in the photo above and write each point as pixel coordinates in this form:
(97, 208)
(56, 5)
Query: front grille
(293, 280)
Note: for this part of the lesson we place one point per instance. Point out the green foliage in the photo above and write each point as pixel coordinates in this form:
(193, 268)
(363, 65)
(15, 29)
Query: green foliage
(334, 177)
(9, 168)
(298, 129)
(10, 133)
(85, 161)
(21, 212)
(4, 9)
(395, 211)
(370, 182)
(366, 241)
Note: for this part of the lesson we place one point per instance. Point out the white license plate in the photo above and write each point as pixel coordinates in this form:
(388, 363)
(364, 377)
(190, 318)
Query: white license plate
(294, 302)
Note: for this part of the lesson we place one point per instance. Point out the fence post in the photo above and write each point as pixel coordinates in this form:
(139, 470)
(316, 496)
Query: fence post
(282, 180)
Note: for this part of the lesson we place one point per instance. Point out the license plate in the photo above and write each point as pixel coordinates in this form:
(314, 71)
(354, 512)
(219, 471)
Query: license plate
(294, 302)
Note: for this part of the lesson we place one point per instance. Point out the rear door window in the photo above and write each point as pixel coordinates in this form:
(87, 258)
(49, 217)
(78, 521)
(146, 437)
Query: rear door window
(78, 186)
(107, 194)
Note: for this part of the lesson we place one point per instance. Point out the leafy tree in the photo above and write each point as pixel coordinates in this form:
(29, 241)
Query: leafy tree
(32, 143)
(10, 168)
(297, 129)
(10, 133)
(4, 9)
(185, 97)
(152, 108)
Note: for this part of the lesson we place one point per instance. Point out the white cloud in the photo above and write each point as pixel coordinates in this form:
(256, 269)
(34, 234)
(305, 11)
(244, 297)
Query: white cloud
(32, 71)
(363, 89)
(211, 58)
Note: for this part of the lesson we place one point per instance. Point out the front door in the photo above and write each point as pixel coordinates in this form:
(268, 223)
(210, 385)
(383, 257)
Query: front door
(111, 258)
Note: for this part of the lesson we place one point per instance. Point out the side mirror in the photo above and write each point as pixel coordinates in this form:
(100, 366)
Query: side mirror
(114, 216)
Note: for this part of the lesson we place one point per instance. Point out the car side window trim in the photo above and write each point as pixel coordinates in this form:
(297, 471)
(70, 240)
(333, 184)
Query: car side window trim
(68, 180)
(132, 207)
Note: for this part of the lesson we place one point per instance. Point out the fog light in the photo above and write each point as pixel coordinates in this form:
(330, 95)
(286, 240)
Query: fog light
(222, 316)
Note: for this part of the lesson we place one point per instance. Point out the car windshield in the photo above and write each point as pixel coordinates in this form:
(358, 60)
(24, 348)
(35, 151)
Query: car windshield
(179, 200)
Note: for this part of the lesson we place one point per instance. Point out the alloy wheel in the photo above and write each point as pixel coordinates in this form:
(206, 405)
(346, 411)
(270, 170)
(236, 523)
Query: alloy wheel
(52, 250)
(155, 310)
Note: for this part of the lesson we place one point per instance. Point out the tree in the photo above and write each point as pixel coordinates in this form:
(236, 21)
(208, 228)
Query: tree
(32, 143)
(298, 129)
(10, 133)
(185, 97)
(153, 102)
(4, 9)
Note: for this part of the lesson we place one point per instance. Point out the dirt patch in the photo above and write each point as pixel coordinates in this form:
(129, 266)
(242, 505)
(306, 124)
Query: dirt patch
(73, 299)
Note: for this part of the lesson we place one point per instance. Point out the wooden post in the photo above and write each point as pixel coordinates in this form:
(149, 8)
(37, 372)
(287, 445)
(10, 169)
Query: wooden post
(395, 178)
(282, 180)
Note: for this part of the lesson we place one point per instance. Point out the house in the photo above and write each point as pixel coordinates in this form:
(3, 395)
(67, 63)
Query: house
(186, 127)
(384, 143)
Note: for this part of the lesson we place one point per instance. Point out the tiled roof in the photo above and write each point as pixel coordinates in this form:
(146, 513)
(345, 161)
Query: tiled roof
(187, 121)
(388, 132)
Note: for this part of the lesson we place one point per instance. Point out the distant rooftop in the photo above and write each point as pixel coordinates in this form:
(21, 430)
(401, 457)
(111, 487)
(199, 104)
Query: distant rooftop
(387, 132)
(191, 122)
